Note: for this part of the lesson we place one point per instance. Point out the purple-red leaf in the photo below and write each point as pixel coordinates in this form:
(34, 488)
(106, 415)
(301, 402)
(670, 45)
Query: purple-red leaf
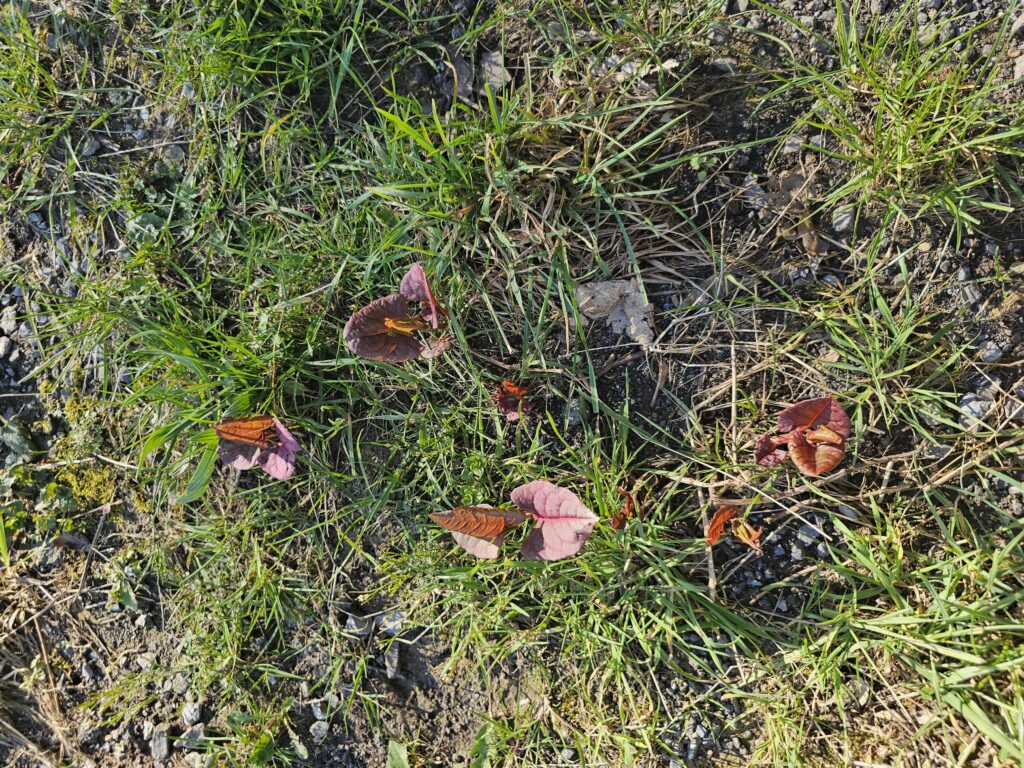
(415, 287)
(510, 400)
(818, 411)
(767, 452)
(622, 517)
(371, 333)
(244, 443)
(813, 459)
(564, 523)
(480, 530)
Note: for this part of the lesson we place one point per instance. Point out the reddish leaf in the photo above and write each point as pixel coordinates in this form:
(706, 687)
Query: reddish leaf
(723, 514)
(815, 412)
(824, 436)
(482, 521)
(244, 443)
(564, 523)
(480, 530)
(368, 335)
(510, 400)
(626, 512)
(415, 287)
(436, 347)
(813, 460)
(767, 452)
(749, 535)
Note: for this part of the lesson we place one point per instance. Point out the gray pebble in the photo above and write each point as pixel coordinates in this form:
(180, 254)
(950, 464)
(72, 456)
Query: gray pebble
(719, 34)
(988, 351)
(148, 727)
(25, 330)
(159, 745)
(174, 154)
(725, 65)
(191, 713)
(319, 730)
(975, 409)
(842, 219)
(179, 684)
(796, 552)
(792, 145)
(193, 738)
(8, 321)
(6, 345)
(89, 148)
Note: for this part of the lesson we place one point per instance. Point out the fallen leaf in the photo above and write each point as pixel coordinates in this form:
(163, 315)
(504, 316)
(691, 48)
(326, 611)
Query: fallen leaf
(818, 411)
(564, 523)
(767, 452)
(749, 535)
(723, 514)
(263, 440)
(481, 529)
(824, 435)
(416, 287)
(367, 333)
(510, 400)
(814, 460)
(621, 304)
(621, 517)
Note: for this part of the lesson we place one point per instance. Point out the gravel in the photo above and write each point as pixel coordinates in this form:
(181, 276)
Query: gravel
(191, 714)
(159, 744)
(319, 731)
(6, 345)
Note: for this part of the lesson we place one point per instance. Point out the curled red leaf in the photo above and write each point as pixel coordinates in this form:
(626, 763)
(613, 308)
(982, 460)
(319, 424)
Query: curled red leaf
(625, 512)
(415, 287)
(814, 459)
(767, 452)
(818, 411)
(480, 529)
(723, 514)
(510, 400)
(261, 440)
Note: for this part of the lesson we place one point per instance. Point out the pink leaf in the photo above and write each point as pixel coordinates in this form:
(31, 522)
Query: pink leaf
(368, 336)
(564, 523)
(238, 455)
(483, 548)
(415, 287)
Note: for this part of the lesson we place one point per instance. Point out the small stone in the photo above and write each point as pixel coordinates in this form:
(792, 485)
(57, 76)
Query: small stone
(360, 626)
(935, 451)
(191, 713)
(8, 320)
(783, 606)
(1018, 68)
(25, 330)
(6, 345)
(392, 660)
(796, 552)
(989, 351)
(975, 409)
(842, 219)
(719, 34)
(179, 684)
(568, 754)
(792, 145)
(148, 727)
(319, 731)
(389, 623)
(174, 154)
(491, 72)
(159, 745)
(193, 738)
(725, 65)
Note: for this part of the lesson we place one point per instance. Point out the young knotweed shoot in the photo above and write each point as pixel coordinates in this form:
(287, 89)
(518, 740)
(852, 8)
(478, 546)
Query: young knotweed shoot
(815, 432)
(563, 523)
(383, 329)
(257, 440)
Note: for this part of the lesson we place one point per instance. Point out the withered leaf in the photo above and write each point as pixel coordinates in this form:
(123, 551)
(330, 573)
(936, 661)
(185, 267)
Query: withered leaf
(723, 514)
(621, 517)
(814, 460)
(482, 522)
(748, 534)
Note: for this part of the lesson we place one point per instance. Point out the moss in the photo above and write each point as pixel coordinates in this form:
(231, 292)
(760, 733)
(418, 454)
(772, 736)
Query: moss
(91, 484)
